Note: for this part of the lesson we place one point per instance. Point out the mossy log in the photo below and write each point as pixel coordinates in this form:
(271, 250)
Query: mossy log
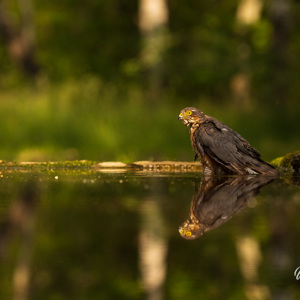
(289, 163)
(155, 166)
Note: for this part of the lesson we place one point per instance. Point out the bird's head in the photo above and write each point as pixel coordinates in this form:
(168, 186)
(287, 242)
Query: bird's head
(190, 231)
(191, 115)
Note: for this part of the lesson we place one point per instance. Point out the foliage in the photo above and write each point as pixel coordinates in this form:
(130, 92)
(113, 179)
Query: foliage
(90, 120)
(90, 99)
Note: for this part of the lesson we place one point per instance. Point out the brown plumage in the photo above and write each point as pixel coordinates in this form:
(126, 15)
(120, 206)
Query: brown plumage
(222, 150)
(217, 200)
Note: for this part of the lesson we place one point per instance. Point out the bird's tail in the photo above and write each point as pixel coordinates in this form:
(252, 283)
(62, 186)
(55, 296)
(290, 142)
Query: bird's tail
(262, 167)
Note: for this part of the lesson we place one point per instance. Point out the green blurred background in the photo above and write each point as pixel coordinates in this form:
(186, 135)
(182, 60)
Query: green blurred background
(105, 80)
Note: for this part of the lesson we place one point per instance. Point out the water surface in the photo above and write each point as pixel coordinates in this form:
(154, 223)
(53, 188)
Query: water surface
(148, 236)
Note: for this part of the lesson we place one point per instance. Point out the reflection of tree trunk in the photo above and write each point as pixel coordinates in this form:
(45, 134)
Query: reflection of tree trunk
(153, 18)
(21, 219)
(22, 270)
(280, 248)
(152, 249)
(250, 259)
(20, 42)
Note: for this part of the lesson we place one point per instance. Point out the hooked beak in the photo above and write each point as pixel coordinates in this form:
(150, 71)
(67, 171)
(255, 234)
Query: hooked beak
(185, 121)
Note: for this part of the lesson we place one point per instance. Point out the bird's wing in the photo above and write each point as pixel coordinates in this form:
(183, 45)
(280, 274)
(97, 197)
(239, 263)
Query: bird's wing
(223, 144)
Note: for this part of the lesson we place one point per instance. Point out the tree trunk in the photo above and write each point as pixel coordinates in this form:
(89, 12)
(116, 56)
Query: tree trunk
(280, 16)
(20, 38)
(153, 19)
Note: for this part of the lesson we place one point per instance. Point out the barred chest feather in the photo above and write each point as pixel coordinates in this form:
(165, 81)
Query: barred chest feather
(193, 129)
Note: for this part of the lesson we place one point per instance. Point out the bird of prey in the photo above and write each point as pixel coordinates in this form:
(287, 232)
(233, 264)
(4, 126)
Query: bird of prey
(217, 200)
(222, 150)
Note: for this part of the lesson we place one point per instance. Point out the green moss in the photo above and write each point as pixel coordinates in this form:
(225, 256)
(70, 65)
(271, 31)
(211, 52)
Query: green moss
(288, 163)
(64, 167)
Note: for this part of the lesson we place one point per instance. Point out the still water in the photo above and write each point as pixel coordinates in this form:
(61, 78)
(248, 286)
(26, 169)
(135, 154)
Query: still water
(148, 236)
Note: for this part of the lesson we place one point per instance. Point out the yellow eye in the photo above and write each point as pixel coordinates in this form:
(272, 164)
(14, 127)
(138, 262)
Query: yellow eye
(188, 112)
(188, 233)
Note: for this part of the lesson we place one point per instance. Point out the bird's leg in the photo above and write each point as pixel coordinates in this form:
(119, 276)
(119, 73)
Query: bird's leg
(207, 165)
(195, 157)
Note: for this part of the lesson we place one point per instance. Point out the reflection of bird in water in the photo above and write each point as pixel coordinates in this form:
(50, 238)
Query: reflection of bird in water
(217, 200)
(222, 150)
